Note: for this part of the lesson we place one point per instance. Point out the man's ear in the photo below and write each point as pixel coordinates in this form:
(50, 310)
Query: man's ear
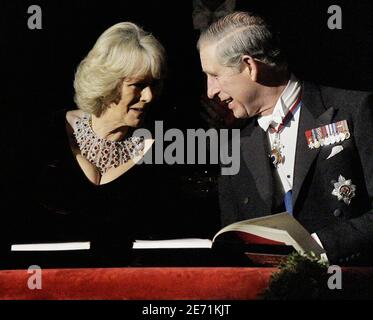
(251, 66)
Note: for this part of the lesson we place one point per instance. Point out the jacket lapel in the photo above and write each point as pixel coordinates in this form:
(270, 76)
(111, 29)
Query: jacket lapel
(313, 114)
(254, 148)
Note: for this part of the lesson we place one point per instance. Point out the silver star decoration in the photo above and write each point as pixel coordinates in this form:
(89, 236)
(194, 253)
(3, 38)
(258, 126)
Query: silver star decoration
(344, 190)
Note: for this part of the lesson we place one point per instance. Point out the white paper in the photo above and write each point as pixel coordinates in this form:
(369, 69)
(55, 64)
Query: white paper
(62, 246)
(172, 244)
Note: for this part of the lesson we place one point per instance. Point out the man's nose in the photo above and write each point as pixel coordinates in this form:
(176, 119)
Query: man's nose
(212, 87)
(147, 94)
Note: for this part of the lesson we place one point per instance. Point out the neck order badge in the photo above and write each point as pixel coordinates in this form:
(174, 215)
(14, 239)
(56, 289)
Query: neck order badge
(276, 154)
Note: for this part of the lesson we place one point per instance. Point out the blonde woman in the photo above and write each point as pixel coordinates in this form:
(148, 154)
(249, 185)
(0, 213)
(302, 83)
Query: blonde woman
(90, 187)
(114, 85)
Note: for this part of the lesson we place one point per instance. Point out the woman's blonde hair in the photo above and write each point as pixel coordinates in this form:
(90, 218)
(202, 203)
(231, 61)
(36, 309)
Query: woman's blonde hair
(122, 51)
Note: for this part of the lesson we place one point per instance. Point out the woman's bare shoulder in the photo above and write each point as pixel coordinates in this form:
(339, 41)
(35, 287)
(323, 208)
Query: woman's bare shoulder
(73, 115)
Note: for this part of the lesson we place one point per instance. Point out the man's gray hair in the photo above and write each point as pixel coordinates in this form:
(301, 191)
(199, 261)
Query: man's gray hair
(242, 33)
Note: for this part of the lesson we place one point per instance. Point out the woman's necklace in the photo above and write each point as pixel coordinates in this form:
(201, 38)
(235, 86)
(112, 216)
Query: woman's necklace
(104, 154)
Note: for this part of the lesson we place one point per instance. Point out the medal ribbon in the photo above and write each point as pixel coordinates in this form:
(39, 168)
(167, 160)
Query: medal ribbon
(289, 115)
(288, 198)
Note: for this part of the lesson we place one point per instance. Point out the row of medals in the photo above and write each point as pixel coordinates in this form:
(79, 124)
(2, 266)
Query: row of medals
(327, 135)
(316, 138)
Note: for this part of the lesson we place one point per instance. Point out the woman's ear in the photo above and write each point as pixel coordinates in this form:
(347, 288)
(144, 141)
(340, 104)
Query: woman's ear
(251, 66)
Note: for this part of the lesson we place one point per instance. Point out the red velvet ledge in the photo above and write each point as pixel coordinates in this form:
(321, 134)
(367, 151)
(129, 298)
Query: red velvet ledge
(160, 284)
(138, 284)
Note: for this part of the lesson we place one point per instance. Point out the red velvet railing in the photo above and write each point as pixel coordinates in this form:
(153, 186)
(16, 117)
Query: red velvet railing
(159, 283)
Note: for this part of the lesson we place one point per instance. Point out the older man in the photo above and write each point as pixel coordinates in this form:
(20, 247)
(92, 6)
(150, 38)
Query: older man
(305, 148)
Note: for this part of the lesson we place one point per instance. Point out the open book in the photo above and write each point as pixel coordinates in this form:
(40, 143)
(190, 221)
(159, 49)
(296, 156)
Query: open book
(264, 237)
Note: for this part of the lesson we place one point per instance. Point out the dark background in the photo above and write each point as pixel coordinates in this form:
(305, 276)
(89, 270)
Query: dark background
(37, 66)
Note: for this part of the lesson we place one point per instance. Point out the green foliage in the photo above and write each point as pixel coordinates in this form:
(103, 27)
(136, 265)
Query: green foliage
(299, 277)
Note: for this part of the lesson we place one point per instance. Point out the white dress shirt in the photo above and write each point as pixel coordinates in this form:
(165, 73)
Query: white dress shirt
(288, 135)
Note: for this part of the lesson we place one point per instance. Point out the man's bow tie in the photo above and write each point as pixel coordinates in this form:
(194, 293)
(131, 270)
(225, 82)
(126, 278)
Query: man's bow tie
(276, 119)
(273, 121)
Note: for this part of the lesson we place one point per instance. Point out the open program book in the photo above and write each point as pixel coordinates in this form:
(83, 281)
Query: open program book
(274, 235)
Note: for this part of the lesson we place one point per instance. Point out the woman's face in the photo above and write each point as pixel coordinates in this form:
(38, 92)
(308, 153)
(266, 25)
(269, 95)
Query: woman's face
(136, 95)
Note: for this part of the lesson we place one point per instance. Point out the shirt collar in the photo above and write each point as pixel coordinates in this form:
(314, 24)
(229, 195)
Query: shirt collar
(283, 104)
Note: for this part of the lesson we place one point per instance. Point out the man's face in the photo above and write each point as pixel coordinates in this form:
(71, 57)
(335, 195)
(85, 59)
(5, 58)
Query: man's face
(230, 85)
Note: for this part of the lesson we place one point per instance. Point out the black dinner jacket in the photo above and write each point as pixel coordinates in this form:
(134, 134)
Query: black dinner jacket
(346, 231)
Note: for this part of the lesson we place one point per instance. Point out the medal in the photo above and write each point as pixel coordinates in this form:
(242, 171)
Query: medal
(331, 134)
(344, 190)
(328, 134)
(276, 150)
(319, 136)
(309, 139)
(325, 135)
(340, 130)
(276, 155)
(336, 133)
(345, 129)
